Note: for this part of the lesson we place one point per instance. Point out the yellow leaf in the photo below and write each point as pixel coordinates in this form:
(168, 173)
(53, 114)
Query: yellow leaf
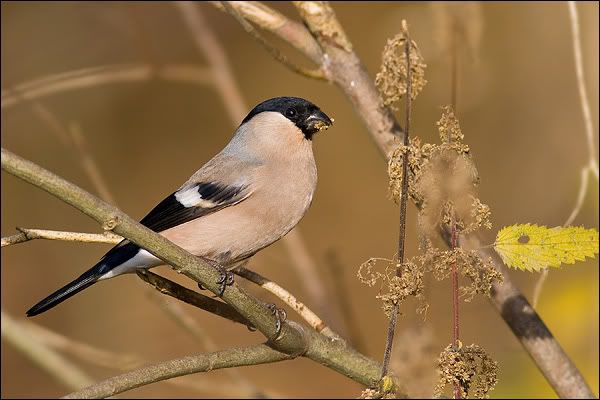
(532, 248)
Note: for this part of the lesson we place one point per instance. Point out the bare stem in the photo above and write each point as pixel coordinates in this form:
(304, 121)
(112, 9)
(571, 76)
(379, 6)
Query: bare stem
(27, 234)
(455, 303)
(403, 199)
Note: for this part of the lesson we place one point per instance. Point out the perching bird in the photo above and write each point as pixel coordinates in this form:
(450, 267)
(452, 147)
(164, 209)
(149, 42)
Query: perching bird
(245, 198)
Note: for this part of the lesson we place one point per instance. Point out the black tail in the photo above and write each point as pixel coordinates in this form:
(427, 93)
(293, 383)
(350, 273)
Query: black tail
(84, 281)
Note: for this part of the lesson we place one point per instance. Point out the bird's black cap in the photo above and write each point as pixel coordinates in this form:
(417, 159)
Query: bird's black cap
(305, 115)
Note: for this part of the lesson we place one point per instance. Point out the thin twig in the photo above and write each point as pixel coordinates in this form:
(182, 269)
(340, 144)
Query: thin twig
(43, 356)
(306, 313)
(31, 234)
(454, 233)
(583, 96)
(272, 50)
(403, 199)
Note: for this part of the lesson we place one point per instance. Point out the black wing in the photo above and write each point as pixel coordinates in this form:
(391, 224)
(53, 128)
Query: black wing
(192, 202)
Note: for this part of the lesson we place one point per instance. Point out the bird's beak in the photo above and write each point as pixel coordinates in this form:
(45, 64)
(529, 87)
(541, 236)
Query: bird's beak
(319, 121)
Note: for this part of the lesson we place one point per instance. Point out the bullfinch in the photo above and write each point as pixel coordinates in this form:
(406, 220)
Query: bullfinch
(245, 198)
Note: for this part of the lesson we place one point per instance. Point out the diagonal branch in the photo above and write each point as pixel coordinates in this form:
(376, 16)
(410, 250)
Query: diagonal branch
(294, 340)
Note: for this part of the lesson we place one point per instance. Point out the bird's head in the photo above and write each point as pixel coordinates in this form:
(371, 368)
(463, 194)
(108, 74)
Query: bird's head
(303, 114)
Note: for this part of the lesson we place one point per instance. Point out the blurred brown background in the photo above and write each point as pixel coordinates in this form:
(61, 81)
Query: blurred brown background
(518, 106)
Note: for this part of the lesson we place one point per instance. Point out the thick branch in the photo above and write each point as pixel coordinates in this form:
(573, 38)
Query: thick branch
(254, 355)
(295, 339)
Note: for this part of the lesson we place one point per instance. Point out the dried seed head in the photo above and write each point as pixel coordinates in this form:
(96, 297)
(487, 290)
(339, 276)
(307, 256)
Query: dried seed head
(470, 367)
(392, 78)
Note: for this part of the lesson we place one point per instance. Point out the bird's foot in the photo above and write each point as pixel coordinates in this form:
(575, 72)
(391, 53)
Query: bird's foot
(225, 279)
(225, 276)
(281, 316)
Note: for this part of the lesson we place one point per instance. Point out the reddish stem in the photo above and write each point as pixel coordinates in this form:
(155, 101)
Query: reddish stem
(455, 336)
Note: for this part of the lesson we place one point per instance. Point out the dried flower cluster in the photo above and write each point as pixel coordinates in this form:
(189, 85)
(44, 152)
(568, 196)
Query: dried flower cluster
(482, 274)
(394, 289)
(399, 288)
(392, 79)
(471, 368)
(442, 181)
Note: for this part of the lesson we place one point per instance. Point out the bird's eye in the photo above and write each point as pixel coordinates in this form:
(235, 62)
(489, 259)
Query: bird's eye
(290, 112)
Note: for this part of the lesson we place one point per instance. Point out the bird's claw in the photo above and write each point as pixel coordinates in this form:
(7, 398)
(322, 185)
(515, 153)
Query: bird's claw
(225, 276)
(281, 316)
(225, 279)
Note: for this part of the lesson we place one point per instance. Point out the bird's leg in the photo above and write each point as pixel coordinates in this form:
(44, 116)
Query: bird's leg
(281, 316)
(225, 276)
